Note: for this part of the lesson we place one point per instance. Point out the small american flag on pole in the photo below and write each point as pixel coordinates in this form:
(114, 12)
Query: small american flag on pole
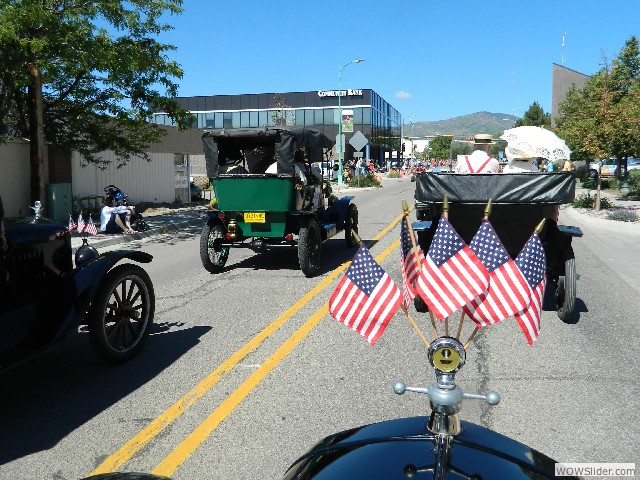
(91, 227)
(409, 265)
(532, 263)
(81, 224)
(72, 224)
(508, 291)
(451, 274)
(366, 298)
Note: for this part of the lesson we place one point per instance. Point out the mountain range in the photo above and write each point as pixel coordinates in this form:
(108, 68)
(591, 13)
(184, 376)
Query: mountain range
(464, 126)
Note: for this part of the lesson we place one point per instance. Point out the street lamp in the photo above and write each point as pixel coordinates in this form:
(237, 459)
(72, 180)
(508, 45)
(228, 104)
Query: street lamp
(357, 60)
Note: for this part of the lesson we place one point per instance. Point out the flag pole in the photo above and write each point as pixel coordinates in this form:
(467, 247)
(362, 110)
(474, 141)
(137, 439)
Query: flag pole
(473, 334)
(405, 209)
(415, 326)
(487, 212)
(445, 212)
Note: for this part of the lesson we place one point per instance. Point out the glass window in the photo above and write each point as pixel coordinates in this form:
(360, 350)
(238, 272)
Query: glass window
(263, 118)
(209, 120)
(290, 117)
(227, 120)
(308, 117)
(253, 119)
(219, 121)
(318, 116)
(200, 121)
(336, 116)
(328, 116)
(366, 116)
(272, 118)
(235, 119)
(299, 117)
(357, 116)
(244, 119)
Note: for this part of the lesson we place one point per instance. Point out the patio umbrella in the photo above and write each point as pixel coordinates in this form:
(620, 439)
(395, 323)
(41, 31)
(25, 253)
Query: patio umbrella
(536, 142)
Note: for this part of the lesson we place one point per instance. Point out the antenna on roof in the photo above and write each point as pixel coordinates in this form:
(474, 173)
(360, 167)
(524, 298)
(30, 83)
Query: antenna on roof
(563, 35)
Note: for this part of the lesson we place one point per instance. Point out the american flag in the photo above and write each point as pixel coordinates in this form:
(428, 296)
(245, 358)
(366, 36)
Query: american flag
(81, 224)
(410, 267)
(508, 291)
(451, 274)
(366, 298)
(91, 227)
(72, 224)
(532, 263)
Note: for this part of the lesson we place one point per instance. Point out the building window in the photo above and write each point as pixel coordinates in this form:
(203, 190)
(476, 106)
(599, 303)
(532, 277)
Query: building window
(357, 116)
(318, 117)
(263, 118)
(300, 117)
(219, 122)
(366, 116)
(235, 119)
(329, 117)
(308, 117)
(209, 120)
(244, 119)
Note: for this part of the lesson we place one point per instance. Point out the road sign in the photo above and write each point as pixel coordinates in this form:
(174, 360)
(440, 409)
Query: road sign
(357, 154)
(358, 141)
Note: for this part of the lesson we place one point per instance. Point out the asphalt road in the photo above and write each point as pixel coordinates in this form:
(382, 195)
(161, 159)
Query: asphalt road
(245, 370)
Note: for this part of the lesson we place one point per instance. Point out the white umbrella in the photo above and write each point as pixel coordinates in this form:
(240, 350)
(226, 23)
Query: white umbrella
(536, 142)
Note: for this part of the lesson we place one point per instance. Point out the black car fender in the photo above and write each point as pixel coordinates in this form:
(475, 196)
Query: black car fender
(83, 283)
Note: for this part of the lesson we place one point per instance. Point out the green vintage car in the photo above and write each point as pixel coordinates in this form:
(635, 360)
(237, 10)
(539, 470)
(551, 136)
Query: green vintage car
(271, 195)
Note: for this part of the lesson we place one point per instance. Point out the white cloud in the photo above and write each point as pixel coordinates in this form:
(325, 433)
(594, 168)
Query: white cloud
(403, 95)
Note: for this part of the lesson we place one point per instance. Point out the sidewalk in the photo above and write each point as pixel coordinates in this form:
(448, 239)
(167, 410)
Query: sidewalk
(171, 221)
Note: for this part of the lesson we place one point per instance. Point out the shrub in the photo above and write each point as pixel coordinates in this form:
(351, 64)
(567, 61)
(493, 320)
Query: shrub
(393, 174)
(623, 215)
(368, 180)
(585, 200)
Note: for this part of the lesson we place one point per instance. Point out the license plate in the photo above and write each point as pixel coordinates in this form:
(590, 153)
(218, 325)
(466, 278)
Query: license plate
(254, 217)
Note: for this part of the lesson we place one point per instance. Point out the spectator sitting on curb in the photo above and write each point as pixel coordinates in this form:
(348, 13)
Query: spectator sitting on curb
(115, 219)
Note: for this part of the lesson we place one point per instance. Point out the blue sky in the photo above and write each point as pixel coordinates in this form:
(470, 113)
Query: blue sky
(430, 59)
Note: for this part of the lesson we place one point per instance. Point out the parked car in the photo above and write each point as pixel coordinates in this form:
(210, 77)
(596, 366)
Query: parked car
(44, 296)
(610, 167)
(196, 191)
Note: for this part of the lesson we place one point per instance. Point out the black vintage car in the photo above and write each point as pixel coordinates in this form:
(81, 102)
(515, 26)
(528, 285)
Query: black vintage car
(44, 296)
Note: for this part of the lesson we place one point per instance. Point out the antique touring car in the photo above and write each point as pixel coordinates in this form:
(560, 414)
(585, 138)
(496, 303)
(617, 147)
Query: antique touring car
(271, 195)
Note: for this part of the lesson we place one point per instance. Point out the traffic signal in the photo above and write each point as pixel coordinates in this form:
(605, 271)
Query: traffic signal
(403, 146)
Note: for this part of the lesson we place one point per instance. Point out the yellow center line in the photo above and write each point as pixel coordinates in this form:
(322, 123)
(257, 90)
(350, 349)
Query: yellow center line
(189, 445)
(114, 461)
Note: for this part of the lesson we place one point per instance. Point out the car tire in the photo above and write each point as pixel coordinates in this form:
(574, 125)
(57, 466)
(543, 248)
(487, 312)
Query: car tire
(121, 314)
(351, 226)
(566, 291)
(309, 247)
(213, 258)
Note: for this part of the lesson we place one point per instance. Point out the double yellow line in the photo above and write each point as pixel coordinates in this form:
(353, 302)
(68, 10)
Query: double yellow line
(180, 454)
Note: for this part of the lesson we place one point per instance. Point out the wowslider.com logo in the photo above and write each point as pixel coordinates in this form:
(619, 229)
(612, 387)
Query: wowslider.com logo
(595, 470)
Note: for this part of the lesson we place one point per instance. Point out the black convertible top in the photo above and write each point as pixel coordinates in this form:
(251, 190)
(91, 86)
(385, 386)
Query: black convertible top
(508, 188)
(224, 147)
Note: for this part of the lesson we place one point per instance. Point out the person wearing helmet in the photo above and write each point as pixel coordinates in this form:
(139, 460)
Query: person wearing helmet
(115, 219)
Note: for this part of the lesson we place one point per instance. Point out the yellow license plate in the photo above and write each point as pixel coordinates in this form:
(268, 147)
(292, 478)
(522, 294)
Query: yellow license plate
(254, 217)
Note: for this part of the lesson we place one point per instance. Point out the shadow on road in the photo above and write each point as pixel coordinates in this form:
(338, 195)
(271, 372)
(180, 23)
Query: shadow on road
(45, 400)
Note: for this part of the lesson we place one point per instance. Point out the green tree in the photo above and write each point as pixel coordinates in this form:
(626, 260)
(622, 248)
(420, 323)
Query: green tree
(440, 147)
(602, 119)
(535, 116)
(85, 76)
